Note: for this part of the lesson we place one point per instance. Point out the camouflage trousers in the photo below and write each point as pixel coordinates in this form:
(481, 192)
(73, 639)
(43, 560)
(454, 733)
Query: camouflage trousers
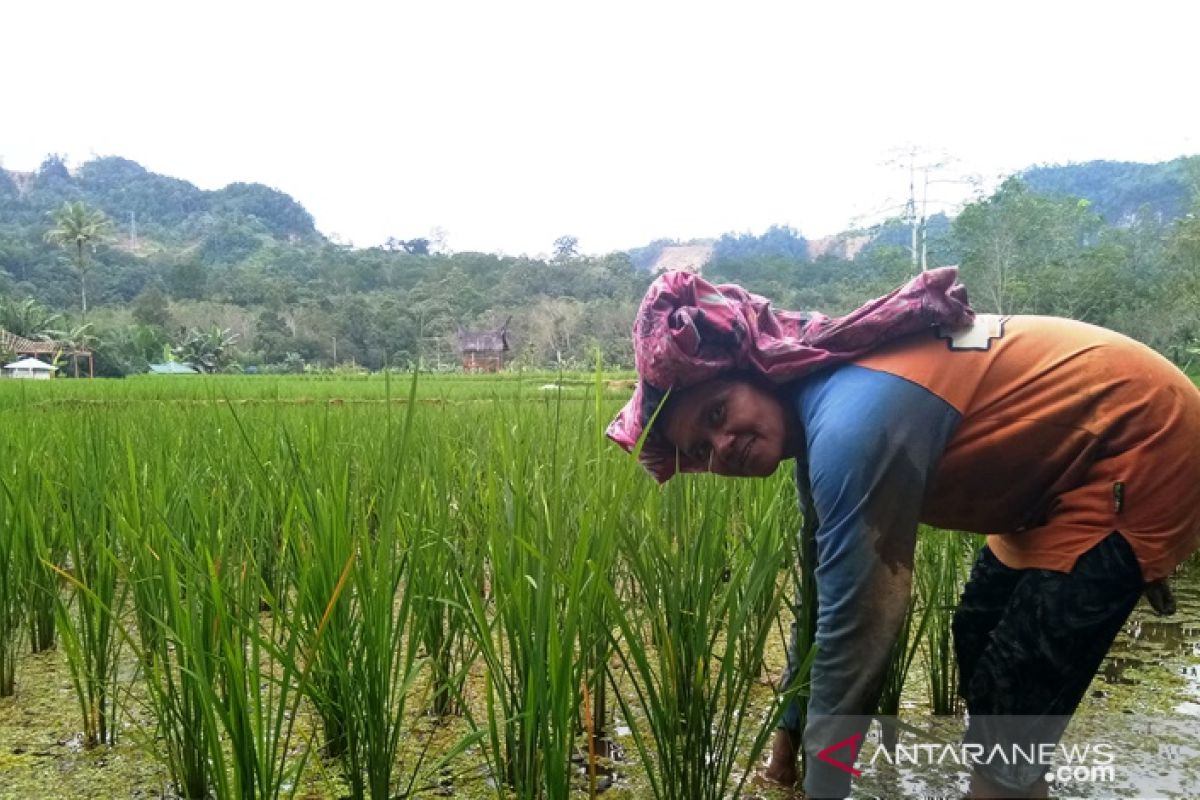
(1029, 641)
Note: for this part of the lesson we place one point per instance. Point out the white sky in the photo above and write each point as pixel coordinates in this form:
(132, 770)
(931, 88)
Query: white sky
(511, 123)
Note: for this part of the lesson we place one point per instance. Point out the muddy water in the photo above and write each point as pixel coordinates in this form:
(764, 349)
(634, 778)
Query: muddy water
(1154, 643)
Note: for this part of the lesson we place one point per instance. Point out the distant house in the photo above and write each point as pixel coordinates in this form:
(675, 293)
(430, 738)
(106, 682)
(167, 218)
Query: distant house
(173, 368)
(30, 368)
(483, 351)
(19, 345)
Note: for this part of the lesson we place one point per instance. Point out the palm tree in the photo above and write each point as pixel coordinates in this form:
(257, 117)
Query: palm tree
(28, 318)
(78, 228)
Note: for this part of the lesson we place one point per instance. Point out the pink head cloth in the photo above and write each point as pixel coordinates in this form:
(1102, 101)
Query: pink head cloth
(688, 331)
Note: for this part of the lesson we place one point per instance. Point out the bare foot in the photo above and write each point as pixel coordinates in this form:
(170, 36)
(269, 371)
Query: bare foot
(781, 769)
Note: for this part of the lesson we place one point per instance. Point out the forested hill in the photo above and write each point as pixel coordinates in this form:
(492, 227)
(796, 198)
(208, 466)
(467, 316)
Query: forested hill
(1121, 190)
(240, 277)
(164, 208)
(223, 224)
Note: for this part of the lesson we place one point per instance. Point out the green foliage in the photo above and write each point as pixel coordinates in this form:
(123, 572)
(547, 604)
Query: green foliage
(28, 318)
(942, 563)
(79, 230)
(1015, 242)
(88, 618)
(278, 213)
(566, 247)
(13, 578)
(228, 242)
(1119, 191)
(704, 568)
(151, 308)
(124, 188)
(209, 349)
(779, 241)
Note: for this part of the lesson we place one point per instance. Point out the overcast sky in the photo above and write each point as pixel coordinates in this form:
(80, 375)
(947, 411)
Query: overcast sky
(511, 123)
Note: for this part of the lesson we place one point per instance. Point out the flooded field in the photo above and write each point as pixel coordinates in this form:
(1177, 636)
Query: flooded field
(324, 590)
(1145, 701)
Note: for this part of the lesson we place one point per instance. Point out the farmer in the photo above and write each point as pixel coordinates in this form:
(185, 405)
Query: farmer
(1074, 447)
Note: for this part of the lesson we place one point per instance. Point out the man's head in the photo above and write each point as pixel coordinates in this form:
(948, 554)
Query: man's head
(737, 425)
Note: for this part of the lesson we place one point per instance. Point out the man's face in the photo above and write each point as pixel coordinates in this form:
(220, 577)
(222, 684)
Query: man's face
(736, 427)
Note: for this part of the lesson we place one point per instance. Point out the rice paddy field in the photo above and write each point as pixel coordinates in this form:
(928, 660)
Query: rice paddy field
(436, 586)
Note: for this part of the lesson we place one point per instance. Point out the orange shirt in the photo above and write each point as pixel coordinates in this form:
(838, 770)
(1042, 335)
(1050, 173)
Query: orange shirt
(1068, 433)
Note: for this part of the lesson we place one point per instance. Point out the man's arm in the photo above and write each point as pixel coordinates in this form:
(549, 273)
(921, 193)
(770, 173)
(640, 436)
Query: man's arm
(874, 441)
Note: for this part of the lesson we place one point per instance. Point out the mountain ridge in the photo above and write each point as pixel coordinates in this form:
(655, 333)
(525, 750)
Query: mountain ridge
(129, 193)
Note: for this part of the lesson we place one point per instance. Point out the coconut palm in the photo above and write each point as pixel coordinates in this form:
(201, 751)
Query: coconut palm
(79, 228)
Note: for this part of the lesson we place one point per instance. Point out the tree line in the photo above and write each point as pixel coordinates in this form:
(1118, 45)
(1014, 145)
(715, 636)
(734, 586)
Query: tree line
(141, 267)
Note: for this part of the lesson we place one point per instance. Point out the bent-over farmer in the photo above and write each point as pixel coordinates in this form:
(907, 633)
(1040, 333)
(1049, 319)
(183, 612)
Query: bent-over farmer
(1073, 447)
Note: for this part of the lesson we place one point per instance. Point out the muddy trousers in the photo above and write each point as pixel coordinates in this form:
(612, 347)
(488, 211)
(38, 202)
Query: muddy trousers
(1028, 643)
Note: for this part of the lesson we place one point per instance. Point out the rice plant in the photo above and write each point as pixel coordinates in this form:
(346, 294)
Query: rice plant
(221, 682)
(942, 563)
(258, 690)
(382, 668)
(444, 550)
(12, 586)
(177, 626)
(356, 582)
(681, 647)
(610, 489)
(44, 550)
(44, 544)
(262, 671)
(529, 641)
(88, 616)
(322, 548)
(381, 671)
(29, 590)
(163, 545)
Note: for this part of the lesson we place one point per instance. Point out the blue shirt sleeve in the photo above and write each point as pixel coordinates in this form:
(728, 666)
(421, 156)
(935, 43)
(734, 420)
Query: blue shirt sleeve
(873, 444)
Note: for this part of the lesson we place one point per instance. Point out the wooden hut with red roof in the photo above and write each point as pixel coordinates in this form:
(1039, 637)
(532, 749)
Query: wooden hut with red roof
(483, 351)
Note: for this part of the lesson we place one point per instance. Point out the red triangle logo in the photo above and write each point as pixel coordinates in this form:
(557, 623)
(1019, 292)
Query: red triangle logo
(847, 766)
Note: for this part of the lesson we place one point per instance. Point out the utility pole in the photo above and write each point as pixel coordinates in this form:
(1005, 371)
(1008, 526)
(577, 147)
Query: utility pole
(924, 228)
(910, 208)
(918, 219)
(133, 228)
